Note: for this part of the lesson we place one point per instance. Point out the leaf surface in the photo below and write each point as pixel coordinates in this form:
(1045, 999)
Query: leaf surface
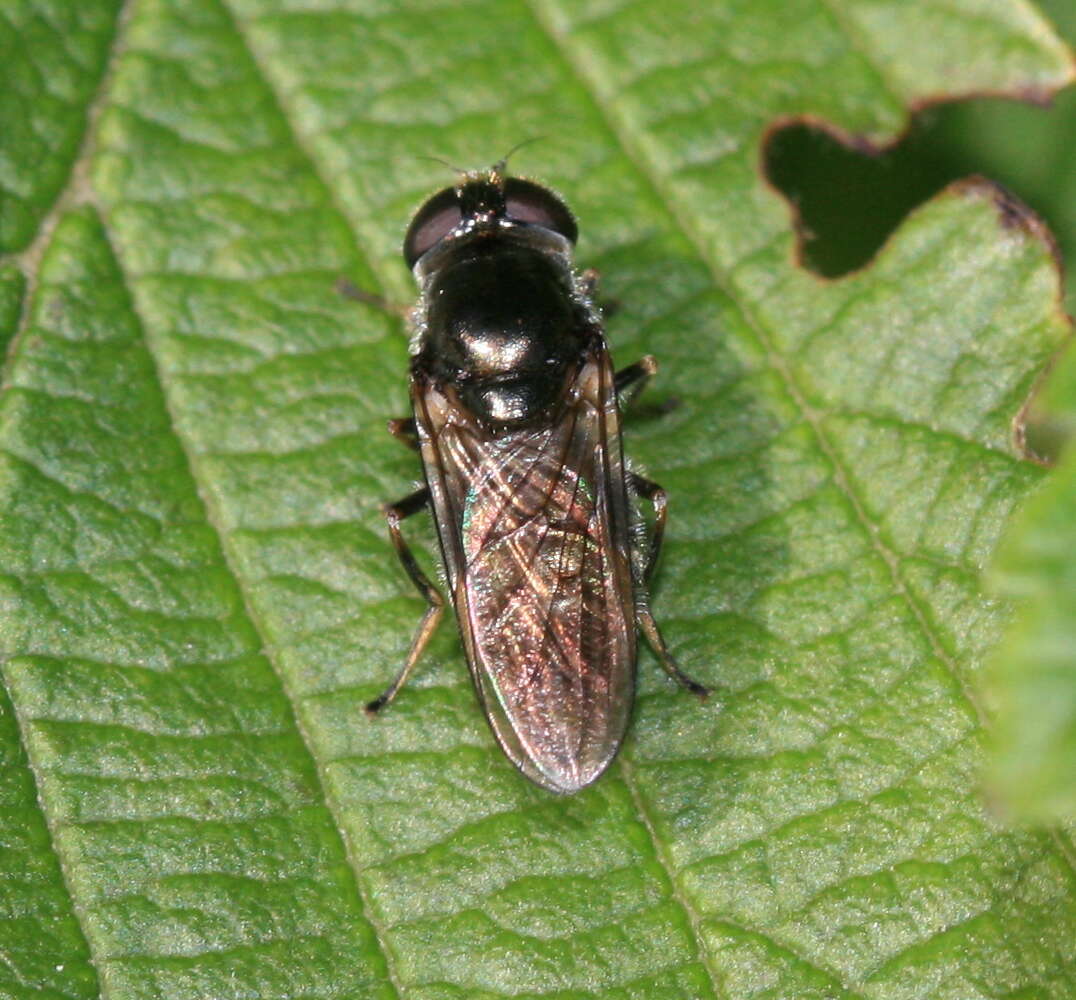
(202, 595)
(184, 806)
(12, 289)
(54, 55)
(1027, 148)
(1033, 678)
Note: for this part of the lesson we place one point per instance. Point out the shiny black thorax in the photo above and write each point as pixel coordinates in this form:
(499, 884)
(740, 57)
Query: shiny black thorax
(504, 326)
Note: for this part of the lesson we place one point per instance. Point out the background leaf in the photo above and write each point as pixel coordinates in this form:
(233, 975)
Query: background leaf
(53, 54)
(1026, 147)
(1034, 672)
(200, 595)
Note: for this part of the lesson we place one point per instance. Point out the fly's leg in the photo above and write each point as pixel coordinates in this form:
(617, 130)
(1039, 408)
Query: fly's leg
(607, 307)
(651, 491)
(630, 381)
(349, 290)
(405, 431)
(394, 514)
(650, 629)
(657, 496)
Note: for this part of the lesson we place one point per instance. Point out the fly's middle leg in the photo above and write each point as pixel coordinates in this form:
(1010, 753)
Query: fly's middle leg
(651, 491)
(405, 431)
(435, 603)
(630, 381)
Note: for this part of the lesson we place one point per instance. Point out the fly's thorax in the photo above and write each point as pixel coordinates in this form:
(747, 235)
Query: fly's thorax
(503, 322)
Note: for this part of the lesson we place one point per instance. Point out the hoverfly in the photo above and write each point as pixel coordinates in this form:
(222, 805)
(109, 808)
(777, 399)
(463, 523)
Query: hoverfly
(516, 414)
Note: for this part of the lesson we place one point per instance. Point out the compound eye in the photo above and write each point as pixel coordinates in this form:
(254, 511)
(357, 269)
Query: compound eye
(431, 224)
(528, 202)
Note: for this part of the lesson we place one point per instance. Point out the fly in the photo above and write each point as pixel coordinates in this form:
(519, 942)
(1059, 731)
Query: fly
(516, 414)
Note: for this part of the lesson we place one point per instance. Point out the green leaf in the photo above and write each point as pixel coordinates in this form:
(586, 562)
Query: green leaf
(1034, 672)
(12, 287)
(200, 595)
(44, 951)
(42, 948)
(1029, 149)
(54, 56)
(1034, 678)
(188, 814)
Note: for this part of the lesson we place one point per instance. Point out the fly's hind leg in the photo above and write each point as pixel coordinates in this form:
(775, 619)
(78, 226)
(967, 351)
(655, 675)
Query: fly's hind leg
(645, 618)
(394, 514)
(657, 496)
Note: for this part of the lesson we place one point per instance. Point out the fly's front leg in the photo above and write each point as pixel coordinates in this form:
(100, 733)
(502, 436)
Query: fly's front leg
(657, 496)
(349, 290)
(591, 280)
(394, 514)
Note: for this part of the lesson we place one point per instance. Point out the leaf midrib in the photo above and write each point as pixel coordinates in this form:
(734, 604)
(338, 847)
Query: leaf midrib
(778, 362)
(75, 190)
(215, 518)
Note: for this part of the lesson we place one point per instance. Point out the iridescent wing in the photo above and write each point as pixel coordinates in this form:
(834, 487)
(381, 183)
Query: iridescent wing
(533, 526)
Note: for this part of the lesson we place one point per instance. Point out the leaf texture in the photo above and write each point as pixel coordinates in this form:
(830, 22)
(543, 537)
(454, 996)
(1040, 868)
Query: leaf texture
(187, 813)
(203, 598)
(1033, 678)
(44, 952)
(54, 56)
(12, 287)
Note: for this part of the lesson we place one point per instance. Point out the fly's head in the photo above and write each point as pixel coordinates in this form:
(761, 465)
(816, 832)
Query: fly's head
(486, 203)
(500, 323)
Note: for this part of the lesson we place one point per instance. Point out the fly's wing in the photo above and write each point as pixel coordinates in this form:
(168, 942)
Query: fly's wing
(534, 531)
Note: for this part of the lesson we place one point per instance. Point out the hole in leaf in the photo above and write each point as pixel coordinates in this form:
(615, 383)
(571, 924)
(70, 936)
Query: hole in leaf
(850, 201)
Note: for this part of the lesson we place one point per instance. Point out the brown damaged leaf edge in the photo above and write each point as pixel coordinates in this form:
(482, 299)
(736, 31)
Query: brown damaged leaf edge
(1020, 219)
(1013, 214)
(866, 145)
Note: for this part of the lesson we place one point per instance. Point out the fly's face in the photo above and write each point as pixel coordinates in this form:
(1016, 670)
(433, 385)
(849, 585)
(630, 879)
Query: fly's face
(517, 420)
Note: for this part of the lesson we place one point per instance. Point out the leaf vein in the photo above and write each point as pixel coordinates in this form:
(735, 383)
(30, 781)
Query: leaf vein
(213, 517)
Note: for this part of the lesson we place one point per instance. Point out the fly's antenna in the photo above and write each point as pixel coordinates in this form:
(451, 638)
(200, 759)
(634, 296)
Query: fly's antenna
(444, 163)
(498, 168)
(495, 173)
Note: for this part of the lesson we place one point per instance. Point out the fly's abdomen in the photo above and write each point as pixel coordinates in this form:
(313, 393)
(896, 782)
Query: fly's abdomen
(543, 589)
